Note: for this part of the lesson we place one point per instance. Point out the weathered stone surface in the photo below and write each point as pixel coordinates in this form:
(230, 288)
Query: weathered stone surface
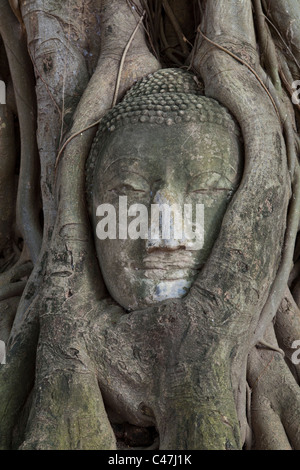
(164, 144)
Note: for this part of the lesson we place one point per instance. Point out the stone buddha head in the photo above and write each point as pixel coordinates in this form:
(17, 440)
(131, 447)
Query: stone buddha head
(165, 145)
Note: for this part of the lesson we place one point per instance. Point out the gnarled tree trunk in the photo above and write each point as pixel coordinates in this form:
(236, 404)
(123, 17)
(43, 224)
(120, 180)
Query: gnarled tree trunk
(213, 370)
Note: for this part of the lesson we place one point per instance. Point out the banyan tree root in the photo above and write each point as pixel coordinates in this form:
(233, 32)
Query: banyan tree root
(74, 352)
(275, 405)
(7, 178)
(75, 240)
(27, 206)
(287, 328)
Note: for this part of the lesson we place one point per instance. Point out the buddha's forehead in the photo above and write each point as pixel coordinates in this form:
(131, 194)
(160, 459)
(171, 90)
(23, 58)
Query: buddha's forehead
(187, 149)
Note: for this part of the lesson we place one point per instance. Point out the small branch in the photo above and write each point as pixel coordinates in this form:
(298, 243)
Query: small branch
(72, 137)
(117, 87)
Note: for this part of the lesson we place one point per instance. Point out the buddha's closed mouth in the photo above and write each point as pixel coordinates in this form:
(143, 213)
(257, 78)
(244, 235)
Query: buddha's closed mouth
(168, 266)
(180, 260)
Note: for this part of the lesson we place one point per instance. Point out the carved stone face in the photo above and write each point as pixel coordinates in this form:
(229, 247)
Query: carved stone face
(190, 163)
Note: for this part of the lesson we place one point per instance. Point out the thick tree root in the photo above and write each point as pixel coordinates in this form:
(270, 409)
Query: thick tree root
(7, 179)
(275, 409)
(17, 378)
(23, 81)
(287, 328)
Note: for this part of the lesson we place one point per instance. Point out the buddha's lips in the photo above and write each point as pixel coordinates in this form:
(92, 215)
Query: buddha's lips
(169, 261)
(168, 266)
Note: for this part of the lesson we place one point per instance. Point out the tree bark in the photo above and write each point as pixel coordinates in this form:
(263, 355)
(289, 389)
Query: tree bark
(76, 359)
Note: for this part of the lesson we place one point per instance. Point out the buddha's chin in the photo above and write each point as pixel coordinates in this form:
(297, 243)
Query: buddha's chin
(169, 289)
(146, 292)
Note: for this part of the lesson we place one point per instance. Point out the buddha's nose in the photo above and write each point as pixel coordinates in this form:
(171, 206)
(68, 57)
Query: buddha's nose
(166, 224)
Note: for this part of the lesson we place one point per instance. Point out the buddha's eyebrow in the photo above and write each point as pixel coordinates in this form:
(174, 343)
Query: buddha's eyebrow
(125, 157)
(209, 172)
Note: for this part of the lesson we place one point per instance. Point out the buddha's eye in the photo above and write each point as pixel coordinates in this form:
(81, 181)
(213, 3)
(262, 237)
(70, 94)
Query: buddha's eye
(126, 183)
(208, 190)
(209, 182)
